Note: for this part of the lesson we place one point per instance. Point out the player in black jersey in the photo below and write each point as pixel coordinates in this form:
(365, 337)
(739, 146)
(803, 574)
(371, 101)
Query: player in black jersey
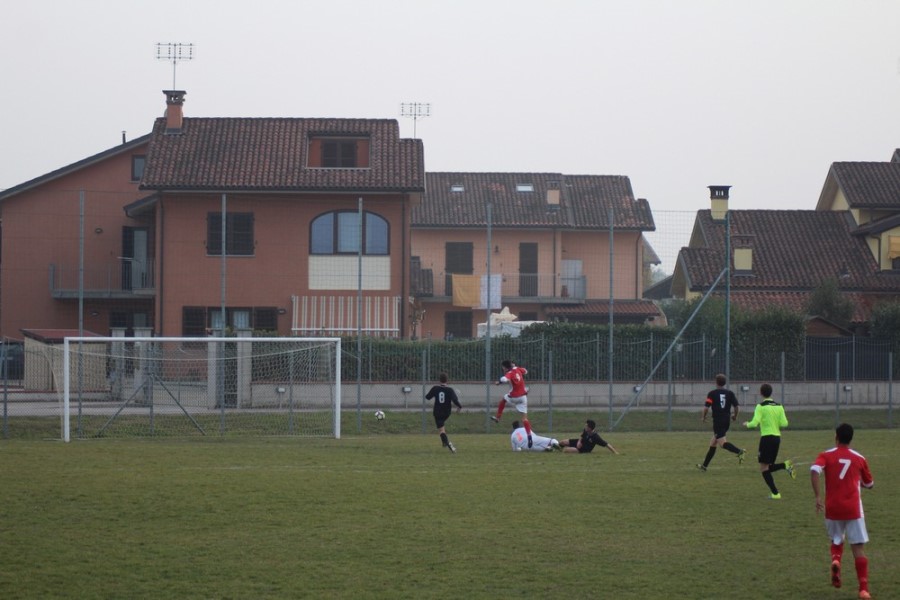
(589, 438)
(443, 395)
(724, 405)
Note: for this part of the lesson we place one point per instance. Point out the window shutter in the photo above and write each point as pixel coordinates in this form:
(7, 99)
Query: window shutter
(265, 319)
(193, 321)
(893, 246)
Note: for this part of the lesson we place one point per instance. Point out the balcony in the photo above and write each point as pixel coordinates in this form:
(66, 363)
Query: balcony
(123, 278)
(515, 287)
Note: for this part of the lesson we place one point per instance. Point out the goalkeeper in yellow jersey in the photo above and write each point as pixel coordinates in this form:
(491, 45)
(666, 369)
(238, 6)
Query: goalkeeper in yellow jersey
(770, 418)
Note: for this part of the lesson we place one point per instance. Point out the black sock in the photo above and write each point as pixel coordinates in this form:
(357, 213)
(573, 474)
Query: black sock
(731, 447)
(444, 440)
(709, 455)
(767, 475)
(778, 467)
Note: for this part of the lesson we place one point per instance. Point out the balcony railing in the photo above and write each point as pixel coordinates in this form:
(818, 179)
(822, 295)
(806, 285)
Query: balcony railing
(518, 287)
(121, 278)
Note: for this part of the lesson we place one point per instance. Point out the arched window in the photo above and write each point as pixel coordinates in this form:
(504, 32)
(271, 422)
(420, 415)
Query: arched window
(338, 233)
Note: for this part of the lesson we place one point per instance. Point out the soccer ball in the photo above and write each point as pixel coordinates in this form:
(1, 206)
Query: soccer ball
(379, 414)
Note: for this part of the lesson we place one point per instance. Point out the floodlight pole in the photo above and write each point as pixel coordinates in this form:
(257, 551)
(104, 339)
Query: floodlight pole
(416, 111)
(174, 53)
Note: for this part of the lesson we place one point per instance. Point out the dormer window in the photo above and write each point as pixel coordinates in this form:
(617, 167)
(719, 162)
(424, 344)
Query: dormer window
(894, 251)
(338, 152)
(457, 187)
(524, 187)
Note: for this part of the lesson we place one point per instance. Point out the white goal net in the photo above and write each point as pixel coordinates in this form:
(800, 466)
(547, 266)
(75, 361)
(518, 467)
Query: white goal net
(177, 386)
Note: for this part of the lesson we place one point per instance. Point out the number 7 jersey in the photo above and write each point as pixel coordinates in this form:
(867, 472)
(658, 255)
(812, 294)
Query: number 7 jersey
(845, 470)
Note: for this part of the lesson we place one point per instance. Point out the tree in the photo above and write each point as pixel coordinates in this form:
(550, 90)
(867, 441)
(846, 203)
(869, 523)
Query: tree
(828, 302)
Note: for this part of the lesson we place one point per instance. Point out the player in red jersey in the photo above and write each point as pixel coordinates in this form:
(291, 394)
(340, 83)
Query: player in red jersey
(845, 471)
(514, 375)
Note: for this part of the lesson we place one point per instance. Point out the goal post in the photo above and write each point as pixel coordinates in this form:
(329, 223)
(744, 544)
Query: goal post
(199, 386)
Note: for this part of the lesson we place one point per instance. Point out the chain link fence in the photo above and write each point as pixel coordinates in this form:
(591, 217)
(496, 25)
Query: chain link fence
(649, 375)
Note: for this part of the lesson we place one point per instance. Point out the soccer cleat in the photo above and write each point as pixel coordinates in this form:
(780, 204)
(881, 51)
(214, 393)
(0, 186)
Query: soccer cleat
(789, 467)
(555, 445)
(452, 447)
(701, 467)
(741, 456)
(864, 594)
(836, 573)
(774, 496)
(495, 419)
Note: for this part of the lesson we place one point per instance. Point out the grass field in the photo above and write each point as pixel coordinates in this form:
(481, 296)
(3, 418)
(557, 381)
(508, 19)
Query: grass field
(396, 516)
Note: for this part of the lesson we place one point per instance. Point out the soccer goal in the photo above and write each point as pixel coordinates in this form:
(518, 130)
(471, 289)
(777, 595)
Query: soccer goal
(193, 386)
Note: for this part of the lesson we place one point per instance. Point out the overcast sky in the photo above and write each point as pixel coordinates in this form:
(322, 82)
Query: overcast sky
(677, 95)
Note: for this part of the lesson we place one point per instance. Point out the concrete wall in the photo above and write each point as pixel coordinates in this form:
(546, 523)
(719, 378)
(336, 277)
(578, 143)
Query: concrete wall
(683, 396)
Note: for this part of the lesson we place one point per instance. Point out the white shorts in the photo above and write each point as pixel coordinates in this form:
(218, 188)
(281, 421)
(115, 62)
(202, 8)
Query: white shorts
(521, 403)
(854, 530)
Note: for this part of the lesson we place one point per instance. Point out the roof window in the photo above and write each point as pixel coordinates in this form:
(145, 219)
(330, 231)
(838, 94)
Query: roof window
(457, 187)
(524, 187)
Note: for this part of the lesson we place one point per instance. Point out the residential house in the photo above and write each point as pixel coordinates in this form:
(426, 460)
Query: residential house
(66, 231)
(545, 236)
(779, 257)
(259, 216)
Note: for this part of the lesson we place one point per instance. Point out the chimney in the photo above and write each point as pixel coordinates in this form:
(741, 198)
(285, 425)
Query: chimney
(743, 254)
(174, 112)
(718, 196)
(553, 195)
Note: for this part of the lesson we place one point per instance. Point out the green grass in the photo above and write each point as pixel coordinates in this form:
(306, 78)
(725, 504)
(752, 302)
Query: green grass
(397, 516)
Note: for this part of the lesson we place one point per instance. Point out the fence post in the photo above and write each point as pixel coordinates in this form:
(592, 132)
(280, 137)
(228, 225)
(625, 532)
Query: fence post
(782, 376)
(837, 388)
(669, 377)
(550, 390)
(703, 355)
(890, 390)
(424, 385)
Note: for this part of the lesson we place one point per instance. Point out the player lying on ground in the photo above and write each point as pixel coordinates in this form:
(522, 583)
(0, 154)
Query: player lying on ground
(520, 440)
(589, 438)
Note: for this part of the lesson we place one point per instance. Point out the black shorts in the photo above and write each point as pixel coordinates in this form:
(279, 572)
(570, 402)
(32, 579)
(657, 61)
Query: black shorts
(440, 419)
(720, 428)
(768, 449)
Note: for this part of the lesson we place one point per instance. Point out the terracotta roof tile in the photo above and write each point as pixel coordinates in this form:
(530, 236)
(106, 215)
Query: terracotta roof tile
(460, 200)
(798, 301)
(793, 250)
(598, 308)
(271, 154)
(869, 184)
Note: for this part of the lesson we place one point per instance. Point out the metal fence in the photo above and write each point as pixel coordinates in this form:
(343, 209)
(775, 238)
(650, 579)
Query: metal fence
(830, 374)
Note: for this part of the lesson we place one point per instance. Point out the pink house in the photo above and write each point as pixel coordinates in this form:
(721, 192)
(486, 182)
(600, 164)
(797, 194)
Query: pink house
(545, 237)
(262, 217)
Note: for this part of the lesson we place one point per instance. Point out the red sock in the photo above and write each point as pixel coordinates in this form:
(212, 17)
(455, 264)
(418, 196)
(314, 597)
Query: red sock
(500, 408)
(527, 425)
(862, 573)
(837, 550)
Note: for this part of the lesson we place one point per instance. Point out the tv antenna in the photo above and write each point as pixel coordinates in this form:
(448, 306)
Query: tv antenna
(174, 53)
(416, 110)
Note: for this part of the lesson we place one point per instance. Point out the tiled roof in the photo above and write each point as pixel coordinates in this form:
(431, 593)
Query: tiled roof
(597, 308)
(128, 146)
(270, 154)
(585, 201)
(869, 184)
(793, 250)
(798, 301)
